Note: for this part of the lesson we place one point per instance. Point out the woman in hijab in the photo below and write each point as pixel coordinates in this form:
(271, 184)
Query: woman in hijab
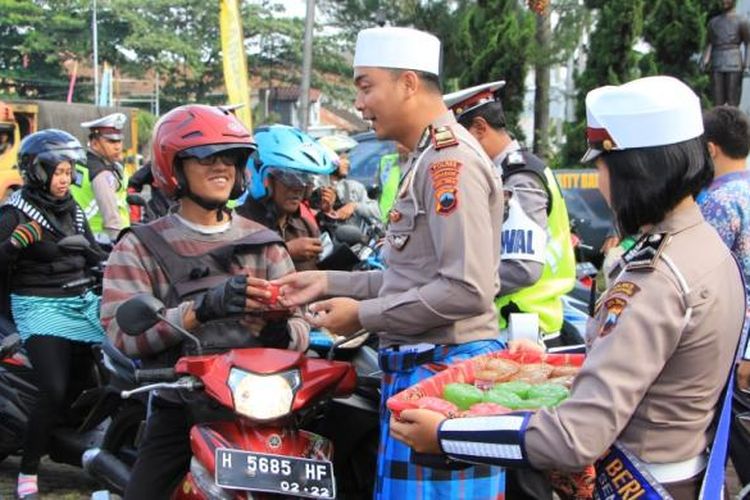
(57, 324)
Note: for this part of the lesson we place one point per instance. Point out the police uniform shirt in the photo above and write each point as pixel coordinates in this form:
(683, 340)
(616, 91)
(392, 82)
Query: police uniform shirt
(661, 345)
(105, 178)
(442, 247)
(524, 266)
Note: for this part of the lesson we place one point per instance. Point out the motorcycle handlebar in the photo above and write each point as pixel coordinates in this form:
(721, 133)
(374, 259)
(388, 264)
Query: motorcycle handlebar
(155, 375)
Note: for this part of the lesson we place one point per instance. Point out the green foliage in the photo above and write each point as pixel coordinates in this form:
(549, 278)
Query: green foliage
(146, 122)
(37, 36)
(179, 38)
(494, 41)
(676, 29)
(611, 60)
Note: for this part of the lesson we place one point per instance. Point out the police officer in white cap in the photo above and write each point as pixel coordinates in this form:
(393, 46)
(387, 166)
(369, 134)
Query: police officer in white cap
(100, 187)
(433, 305)
(538, 265)
(663, 338)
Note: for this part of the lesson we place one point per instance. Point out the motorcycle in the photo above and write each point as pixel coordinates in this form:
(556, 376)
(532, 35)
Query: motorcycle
(97, 417)
(257, 400)
(353, 422)
(349, 246)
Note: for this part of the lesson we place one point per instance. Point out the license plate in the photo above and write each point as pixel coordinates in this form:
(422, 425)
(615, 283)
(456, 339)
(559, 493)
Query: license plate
(294, 476)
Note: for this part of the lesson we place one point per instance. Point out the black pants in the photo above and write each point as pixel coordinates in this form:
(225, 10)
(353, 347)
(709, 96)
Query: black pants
(164, 454)
(726, 88)
(63, 370)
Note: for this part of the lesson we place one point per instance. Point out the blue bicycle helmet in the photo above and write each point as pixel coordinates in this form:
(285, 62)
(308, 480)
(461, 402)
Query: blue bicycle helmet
(286, 152)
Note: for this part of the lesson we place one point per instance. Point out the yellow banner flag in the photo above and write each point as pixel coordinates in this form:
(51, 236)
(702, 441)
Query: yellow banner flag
(235, 65)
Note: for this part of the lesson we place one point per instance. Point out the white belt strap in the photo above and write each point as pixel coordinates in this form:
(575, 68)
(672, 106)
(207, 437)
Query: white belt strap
(677, 471)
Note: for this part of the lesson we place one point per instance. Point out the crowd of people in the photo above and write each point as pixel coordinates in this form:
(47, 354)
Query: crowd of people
(477, 231)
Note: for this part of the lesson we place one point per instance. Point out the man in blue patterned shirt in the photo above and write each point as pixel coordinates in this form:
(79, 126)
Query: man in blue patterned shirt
(726, 206)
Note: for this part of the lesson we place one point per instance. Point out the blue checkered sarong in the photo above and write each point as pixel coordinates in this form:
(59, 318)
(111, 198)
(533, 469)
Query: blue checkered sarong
(398, 477)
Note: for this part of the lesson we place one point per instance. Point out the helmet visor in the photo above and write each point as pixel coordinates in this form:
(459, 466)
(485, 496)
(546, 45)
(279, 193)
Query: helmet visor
(71, 152)
(291, 178)
(201, 152)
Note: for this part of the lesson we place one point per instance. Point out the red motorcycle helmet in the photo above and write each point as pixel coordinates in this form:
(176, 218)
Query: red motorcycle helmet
(197, 130)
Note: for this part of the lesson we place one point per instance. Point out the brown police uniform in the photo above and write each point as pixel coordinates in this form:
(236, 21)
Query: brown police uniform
(442, 247)
(662, 343)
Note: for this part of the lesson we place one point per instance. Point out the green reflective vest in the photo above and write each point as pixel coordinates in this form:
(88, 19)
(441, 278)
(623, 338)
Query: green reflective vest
(559, 272)
(83, 193)
(389, 175)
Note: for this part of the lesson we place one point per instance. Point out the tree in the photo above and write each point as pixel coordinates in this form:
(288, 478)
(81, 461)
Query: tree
(494, 40)
(611, 60)
(677, 30)
(438, 17)
(482, 40)
(37, 36)
(554, 45)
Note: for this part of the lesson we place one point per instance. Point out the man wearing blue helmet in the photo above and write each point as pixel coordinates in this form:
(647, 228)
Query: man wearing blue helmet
(281, 172)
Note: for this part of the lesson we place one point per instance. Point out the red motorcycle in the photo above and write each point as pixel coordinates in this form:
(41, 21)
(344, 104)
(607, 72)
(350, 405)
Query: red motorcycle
(258, 445)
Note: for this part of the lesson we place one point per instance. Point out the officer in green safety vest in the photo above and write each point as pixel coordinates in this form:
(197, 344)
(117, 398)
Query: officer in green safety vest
(537, 265)
(100, 186)
(388, 178)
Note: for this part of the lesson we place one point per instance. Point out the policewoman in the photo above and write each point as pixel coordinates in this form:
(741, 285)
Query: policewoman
(538, 265)
(433, 305)
(663, 339)
(100, 186)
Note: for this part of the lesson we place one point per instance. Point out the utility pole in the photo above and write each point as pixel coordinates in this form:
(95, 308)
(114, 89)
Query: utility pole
(96, 55)
(304, 98)
(156, 92)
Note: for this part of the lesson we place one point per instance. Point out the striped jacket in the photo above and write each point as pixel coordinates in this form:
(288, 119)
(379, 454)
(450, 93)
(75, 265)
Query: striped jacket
(132, 270)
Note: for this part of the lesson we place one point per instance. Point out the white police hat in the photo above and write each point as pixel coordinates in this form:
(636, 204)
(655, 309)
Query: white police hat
(398, 48)
(109, 127)
(464, 100)
(652, 111)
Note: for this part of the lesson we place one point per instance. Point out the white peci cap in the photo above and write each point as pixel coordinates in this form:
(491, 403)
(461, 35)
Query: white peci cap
(398, 48)
(652, 111)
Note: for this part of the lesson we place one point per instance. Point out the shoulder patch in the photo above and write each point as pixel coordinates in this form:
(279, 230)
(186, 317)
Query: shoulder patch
(625, 288)
(444, 176)
(614, 308)
(645, 252)
(443, 137)
(515, 158)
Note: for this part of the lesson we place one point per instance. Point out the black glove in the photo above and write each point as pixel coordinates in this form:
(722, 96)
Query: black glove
(223, 300)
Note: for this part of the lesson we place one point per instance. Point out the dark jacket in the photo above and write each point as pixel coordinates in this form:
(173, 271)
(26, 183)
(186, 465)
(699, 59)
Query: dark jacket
(296, 226)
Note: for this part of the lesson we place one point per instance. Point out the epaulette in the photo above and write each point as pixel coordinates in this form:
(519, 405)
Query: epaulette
(514, 159)
(645, 252)
(443, 137)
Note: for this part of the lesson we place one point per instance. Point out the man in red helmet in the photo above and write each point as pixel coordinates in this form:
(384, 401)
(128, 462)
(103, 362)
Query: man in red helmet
(199, 156)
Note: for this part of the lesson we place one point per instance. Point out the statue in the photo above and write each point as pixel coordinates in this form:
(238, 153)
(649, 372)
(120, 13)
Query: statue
(727, 52)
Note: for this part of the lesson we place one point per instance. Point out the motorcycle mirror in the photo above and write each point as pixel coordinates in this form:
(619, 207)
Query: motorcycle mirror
(351, 342)
(143, 311)
(76, 242)
(10, 345)
(139, 313)
(135, 199)
(346, 233)
(374, 191)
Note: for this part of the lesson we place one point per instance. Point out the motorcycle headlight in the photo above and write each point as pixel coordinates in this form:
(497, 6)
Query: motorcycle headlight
(263, 397)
